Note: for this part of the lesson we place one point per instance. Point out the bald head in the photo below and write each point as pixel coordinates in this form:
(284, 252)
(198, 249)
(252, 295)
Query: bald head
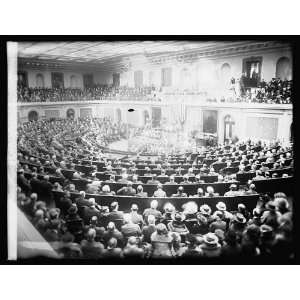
(154, 204)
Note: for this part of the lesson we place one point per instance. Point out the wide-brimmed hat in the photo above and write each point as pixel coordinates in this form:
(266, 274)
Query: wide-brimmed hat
(73, 209)
(179, 217)
(205, 209)
(168, 207)
(210, 239)
(221, 206)
(239, 218)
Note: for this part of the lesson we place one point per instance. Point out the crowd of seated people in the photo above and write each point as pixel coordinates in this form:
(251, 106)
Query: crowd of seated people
(276, 91)
(82, 229)
(61, 155)
(64, 143)
(63, 135)
(98, 92)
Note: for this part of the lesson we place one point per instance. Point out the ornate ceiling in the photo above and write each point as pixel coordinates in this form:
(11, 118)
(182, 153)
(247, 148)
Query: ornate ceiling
(120, 55)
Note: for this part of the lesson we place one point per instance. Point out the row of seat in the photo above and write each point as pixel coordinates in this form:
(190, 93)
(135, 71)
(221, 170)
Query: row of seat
(125, 202)
(242, 177)
(272, 185)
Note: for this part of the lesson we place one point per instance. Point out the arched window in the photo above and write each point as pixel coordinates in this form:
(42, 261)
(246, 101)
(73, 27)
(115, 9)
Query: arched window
(284, 69)
(33, 115)
(71, 113)
(119, 115)
(225, 72)
(39, 80)
(73, 81)
(228, 127)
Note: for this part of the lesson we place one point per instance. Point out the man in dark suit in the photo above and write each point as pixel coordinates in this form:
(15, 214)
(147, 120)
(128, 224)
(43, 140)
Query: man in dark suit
(35, 183)
(23, 183)
(153, 180)
(147, 172)
(113, 232)
(124, 178)
(162, 176)
(172, 180)
(81, 201)
(152, 211)
(46, 190)
(140, 192)
(149, 229)
(115, 215)
(90, 211)
(135, 179)
(180, 192)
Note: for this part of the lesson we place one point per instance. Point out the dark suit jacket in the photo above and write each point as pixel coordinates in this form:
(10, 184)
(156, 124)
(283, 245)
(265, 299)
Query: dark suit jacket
(89, 212)
(23, 183)
(46, 189)
(115, 215)
(35, 185)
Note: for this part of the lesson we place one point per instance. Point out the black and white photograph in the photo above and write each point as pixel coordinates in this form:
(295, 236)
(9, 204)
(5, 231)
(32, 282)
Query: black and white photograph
(151, 150)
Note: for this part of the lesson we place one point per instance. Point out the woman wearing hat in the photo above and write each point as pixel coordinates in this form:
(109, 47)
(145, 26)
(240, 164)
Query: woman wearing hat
(221, 207)
(271, 215)
(167, 215)
(210, 246)
(238, 224)
(164, 243)
(205, 211)
(177, 225)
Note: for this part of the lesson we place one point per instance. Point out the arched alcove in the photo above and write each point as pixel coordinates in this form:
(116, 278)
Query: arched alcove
(33, 115)
(71, 113)
(225, 72)
(284, 68)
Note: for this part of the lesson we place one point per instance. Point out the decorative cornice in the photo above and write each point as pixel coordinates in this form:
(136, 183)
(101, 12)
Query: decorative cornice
(123, 63)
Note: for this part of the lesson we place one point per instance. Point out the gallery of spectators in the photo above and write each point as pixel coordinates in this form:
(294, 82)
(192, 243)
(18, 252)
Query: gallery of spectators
(200, 167)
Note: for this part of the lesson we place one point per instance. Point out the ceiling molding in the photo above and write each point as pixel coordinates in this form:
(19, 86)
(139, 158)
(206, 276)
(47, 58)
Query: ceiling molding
(127, 54)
